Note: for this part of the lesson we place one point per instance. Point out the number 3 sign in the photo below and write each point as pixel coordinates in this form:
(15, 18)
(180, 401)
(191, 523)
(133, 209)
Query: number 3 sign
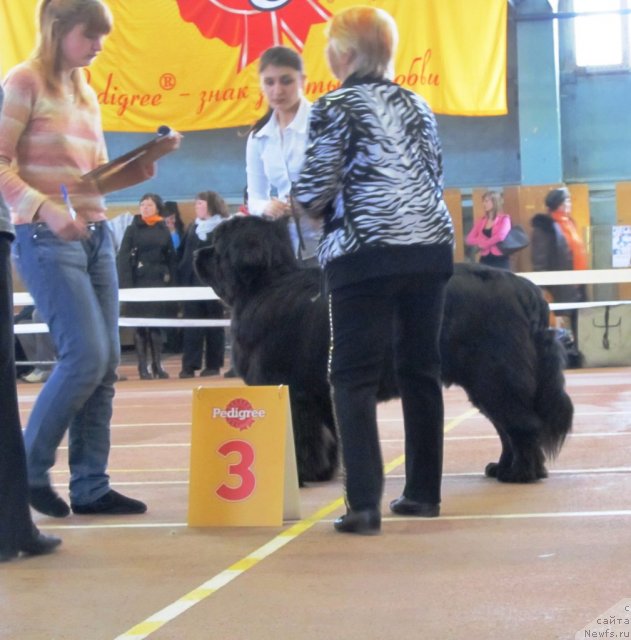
(243, 463)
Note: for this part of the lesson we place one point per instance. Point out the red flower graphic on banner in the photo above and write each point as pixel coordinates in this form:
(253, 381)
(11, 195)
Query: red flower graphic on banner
(256, 25)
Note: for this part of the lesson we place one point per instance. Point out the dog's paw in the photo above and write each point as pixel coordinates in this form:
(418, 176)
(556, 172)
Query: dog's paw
(517, 475)
(491, 470)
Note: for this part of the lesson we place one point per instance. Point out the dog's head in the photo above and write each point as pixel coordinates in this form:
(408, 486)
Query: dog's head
(247, 252)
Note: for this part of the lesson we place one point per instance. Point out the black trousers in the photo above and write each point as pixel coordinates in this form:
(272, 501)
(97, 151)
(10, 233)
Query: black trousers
(193, 353)
(405, 312)
(16, 526)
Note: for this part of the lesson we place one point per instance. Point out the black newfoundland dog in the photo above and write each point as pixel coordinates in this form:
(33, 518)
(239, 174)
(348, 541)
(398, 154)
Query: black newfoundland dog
(495, 343)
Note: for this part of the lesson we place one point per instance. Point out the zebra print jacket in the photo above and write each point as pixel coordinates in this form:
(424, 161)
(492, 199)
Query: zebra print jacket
(373, 173)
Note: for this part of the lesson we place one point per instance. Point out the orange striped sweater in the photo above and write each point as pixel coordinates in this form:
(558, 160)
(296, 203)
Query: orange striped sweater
(47, 141)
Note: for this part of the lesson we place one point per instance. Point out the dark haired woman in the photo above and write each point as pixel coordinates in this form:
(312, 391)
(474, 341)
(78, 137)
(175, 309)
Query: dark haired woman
(210, 210)
(556, 245)
(174, 223)
(276, 144)
(147, 259)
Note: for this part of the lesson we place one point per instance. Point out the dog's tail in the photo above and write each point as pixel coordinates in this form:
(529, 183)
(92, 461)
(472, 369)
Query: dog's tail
(552, 403)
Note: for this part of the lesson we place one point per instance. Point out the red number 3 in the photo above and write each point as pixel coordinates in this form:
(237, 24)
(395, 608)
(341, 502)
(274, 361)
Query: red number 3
(241, 469)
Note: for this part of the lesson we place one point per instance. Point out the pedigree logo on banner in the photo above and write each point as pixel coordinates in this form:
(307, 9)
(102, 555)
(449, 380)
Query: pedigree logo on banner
(192, 64)
(243, 463)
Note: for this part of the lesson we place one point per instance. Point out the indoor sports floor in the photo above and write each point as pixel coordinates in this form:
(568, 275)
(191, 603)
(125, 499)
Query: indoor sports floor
(503, 561)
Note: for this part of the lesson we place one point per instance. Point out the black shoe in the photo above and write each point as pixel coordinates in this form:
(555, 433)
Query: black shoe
(40, 544)
(46, 501)
(159, 372)
(366, 522)
(5, 556)
(112, 503)
(144, 373)
(209, 372)
(186, 373)
(231, 373)
(405, 507)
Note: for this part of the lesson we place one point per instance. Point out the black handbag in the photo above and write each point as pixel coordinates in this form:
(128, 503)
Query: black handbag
(516, 240)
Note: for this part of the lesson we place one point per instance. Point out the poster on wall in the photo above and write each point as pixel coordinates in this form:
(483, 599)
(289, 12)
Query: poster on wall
(621, 247)
(193, 63)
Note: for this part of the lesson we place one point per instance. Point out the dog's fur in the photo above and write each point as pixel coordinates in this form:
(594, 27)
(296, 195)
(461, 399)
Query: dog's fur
(495, 343)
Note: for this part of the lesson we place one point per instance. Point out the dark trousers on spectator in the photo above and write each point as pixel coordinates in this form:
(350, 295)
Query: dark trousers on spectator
(16, 525)
(214, 339)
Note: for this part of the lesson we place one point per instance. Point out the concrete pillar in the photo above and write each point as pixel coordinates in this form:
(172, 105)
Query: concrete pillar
(538, 95)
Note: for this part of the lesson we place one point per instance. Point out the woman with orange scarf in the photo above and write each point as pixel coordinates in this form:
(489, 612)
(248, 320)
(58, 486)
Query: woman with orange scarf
(147, 259)
(556, 245)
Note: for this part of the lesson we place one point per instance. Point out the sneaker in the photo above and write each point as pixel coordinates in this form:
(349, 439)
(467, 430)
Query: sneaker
(112, 503)
(209, 372)
(185, 373)
(37, 375)
(46, 501)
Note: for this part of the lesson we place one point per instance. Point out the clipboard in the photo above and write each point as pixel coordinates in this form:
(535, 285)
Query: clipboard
(115, 165)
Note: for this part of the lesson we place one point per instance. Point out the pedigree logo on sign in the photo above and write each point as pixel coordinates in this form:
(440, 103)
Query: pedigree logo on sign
(239, 414)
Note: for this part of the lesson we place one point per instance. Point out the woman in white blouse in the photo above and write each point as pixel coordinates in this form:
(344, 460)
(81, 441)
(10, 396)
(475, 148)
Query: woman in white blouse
(276, 144)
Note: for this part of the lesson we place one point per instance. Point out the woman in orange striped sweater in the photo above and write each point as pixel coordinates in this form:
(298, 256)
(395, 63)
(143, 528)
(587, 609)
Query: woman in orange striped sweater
(50, 135)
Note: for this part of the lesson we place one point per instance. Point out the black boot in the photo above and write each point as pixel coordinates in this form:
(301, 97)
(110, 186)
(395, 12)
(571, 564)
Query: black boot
(155, 339)
(140, 340)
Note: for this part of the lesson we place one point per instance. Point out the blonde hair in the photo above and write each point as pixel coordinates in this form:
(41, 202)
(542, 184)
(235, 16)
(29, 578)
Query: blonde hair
(56, 19)
(370, 34)
(496, 198)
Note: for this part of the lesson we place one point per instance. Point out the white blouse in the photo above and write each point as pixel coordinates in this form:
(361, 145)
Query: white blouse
(273, 162)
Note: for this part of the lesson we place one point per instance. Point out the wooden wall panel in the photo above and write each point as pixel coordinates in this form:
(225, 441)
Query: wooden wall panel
(623, 217)
(453, 198)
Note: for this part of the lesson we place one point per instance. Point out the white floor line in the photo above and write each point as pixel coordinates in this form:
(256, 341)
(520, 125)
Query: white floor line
(127, 425)
(612, 513)
(390, 476)
(166, 445)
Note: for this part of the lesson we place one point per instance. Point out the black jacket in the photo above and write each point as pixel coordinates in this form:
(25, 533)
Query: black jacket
(549, 251)
(146, 257)
(186, 253)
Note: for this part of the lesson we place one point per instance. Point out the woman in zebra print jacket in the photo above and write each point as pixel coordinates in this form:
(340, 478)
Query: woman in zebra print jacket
(373, 175)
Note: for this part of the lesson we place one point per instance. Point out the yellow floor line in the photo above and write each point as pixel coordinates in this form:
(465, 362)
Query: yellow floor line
(208, 588)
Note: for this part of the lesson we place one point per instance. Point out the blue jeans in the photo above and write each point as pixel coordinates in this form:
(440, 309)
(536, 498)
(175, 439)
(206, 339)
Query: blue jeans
(75, 288)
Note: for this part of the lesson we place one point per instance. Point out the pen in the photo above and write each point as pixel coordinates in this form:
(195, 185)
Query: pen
(66, 197)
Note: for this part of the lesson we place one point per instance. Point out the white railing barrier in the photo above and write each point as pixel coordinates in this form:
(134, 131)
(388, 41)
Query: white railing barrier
(178, 294)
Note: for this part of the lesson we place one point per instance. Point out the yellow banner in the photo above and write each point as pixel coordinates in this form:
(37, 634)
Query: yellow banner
(191, 64)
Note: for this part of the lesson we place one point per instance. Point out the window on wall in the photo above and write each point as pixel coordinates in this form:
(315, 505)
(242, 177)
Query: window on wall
(602, 35)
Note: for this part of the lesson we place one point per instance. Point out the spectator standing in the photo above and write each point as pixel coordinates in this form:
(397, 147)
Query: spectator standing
(203, 344)
(556, 245)
(174, 223)
(147, 259)
(490, 230)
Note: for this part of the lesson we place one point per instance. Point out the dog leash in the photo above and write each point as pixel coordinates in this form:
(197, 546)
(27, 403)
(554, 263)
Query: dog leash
(296, 218)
